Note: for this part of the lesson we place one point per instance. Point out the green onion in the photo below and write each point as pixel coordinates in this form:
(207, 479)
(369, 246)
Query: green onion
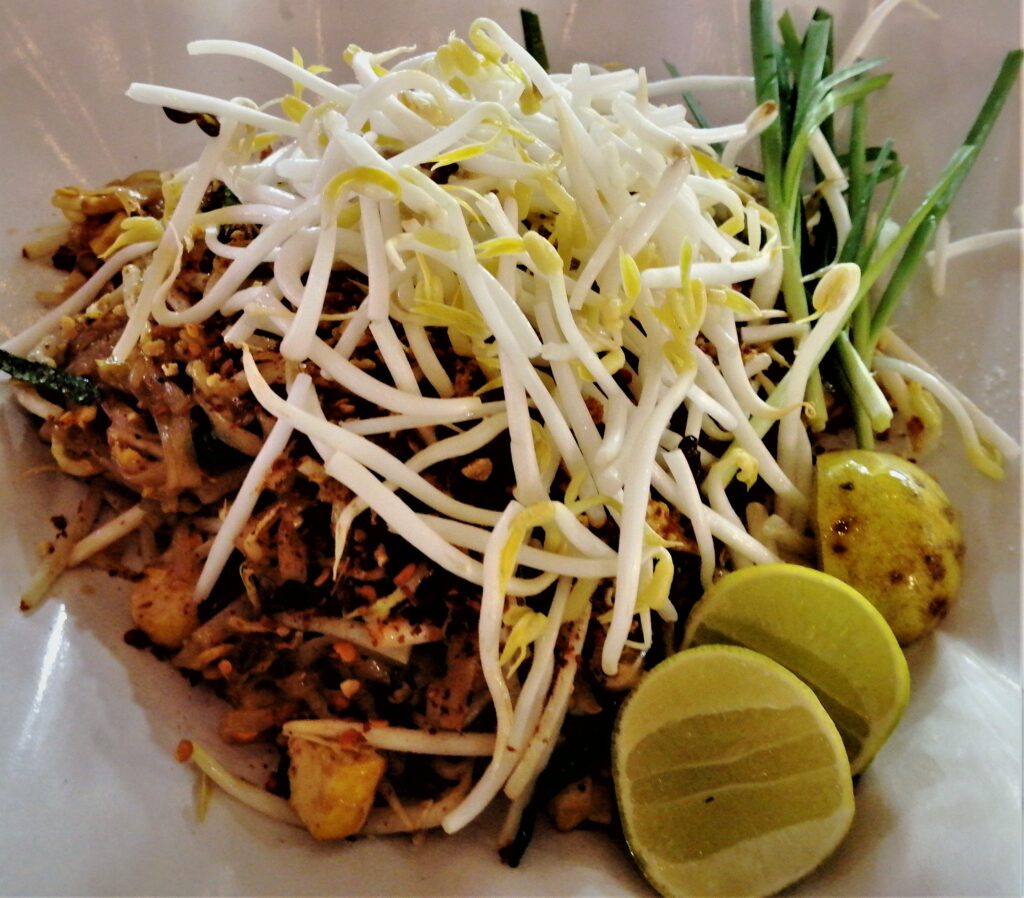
(696, 110)
(766, 89)
(872, 413)
(823, 15)
(921, 238)
(795, 72)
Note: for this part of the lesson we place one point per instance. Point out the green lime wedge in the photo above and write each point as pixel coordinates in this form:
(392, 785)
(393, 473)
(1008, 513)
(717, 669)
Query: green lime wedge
(822, 630)
(731, 778)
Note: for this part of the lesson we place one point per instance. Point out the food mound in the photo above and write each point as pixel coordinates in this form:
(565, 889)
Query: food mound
(420, 410)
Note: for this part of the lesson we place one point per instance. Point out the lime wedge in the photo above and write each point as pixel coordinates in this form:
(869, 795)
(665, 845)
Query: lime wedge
(886, 527)
(822, 630)
(731, 777)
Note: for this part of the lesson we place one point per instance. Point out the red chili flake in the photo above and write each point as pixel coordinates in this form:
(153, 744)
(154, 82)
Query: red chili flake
(184, 751)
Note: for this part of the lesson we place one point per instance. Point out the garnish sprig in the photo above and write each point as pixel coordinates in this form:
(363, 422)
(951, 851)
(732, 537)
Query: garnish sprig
(796, 75)
(794, 71)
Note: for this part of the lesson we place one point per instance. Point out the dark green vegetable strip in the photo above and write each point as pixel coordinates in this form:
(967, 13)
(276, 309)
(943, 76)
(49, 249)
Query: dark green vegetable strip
(858, 200)
(917, 246)
(697, 112)
(77, 389)
(819, 254)
(853, 70)
(691, 102)
(811, 69)
(533, 38)
(962, 159)
(993, 105)
(833, 101)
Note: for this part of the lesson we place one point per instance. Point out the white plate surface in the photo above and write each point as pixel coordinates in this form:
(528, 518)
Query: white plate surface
(92, 800)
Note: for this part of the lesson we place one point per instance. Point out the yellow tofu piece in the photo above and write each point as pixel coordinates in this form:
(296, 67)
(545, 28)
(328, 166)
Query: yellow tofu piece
(163, 607)
(332, 788)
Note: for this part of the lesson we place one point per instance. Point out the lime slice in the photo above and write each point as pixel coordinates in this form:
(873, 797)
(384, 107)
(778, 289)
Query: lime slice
(731, 777)
(822, 630)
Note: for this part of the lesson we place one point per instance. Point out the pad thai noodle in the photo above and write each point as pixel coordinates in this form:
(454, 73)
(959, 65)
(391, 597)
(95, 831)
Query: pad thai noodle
(422, 406)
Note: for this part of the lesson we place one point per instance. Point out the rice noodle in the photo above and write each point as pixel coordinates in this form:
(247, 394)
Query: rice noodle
(517, 332)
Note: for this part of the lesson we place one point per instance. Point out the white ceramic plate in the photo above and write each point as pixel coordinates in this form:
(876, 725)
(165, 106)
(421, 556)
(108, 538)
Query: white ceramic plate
(92, 800)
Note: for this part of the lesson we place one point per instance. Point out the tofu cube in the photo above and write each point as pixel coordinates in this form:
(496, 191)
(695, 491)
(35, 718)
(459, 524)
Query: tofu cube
(333, 787)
